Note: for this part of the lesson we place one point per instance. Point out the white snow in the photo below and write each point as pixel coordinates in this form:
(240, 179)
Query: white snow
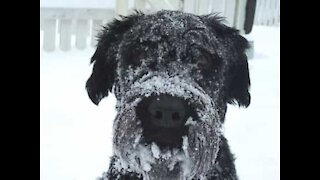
(146, 158)
(190, 121)
(155, 150)
(76, 135)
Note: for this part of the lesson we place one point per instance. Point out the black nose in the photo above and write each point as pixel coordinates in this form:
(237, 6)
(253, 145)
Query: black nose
(167, 111)
(163, 119)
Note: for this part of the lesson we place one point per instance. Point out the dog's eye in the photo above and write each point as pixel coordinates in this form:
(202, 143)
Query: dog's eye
(207, 61)
(203, 61)
(136, 57)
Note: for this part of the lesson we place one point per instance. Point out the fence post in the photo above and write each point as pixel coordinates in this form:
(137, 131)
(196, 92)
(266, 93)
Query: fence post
(189, 6)
(140, 5)
(203, 7)
(65, 34)
(218, 6)
(82, 31)
(240, 15)
(229, 12)
(278, 13)
(275, 12)
(121, 8)
(264, 15)
(96, 27)
(49, 34)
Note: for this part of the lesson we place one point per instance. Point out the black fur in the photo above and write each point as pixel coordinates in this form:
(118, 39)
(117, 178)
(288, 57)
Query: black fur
(219, 57)
(103, 74)
(224, 169)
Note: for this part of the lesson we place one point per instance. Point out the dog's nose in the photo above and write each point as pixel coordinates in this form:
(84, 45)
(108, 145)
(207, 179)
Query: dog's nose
(167, 111)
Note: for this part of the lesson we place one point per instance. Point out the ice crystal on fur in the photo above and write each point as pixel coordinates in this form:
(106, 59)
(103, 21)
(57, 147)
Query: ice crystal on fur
(190, 121)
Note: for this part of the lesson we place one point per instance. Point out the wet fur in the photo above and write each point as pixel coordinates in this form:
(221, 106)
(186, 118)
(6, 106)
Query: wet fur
(229, 68)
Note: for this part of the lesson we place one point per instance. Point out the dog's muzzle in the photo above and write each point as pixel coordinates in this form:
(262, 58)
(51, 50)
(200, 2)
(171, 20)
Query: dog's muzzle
(175, 105)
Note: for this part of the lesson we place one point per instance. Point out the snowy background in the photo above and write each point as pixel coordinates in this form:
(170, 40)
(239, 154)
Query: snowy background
(76, 135)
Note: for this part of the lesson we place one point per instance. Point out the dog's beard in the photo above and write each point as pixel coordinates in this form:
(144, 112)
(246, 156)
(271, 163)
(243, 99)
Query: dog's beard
(199, 148)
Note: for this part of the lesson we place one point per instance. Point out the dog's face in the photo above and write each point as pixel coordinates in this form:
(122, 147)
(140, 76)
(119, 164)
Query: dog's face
(173, 74)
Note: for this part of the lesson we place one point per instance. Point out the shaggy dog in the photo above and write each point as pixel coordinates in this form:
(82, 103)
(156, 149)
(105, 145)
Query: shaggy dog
(173, 74)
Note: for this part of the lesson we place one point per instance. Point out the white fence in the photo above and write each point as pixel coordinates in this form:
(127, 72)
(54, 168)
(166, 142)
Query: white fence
(66, 28)
(267, 12)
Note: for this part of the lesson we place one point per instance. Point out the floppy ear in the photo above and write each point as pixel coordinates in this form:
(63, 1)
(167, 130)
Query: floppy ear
(104, 59)
(237, 80)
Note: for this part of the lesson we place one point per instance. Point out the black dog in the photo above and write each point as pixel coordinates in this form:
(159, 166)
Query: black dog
(173, 74)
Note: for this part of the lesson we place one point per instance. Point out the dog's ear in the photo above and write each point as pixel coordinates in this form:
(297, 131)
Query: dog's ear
(238, 79)
(238, 82)
(104, 59)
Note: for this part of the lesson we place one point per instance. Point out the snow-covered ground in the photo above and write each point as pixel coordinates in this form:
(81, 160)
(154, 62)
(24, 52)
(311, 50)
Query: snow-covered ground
(76, 135)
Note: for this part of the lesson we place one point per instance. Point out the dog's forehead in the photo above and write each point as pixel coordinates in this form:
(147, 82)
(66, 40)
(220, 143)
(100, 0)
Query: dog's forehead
(171, 31)
(172, 20)
(166, 25)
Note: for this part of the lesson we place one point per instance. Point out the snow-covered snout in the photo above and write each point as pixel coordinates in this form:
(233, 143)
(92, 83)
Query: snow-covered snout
(166, 123)
(173, 74)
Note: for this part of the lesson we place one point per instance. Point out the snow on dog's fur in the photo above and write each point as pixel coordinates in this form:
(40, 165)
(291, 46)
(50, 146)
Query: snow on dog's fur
(194, 58)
